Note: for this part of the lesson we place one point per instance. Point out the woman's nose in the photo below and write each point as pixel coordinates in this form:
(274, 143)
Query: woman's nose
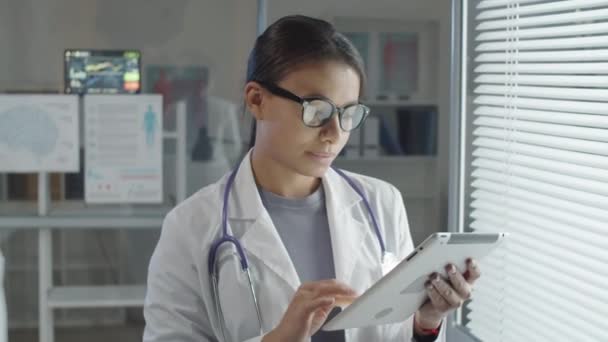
(331, 130)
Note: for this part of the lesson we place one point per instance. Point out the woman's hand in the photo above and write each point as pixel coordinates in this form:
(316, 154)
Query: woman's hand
(309, 309)
(445, 295)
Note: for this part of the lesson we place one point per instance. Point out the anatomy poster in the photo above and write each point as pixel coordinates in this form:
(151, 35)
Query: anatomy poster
(123, 148)
(39, 133)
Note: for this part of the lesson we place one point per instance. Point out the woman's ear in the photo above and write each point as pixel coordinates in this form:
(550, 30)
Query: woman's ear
(254, 99)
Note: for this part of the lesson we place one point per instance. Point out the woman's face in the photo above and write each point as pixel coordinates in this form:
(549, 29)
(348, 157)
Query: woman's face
(283, 137)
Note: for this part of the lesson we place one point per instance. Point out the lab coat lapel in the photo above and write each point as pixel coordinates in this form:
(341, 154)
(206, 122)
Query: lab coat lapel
(259, 237)
(346, 228)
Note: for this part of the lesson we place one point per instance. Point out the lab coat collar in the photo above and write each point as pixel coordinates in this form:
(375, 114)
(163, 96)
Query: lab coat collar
(244, 199)
(347, 233)
(248, 205)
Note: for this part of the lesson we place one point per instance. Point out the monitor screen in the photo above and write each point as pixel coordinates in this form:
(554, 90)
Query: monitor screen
(102, 72)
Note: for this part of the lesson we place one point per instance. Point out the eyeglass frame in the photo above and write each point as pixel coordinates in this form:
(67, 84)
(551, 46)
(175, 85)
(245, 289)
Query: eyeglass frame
(286, 94)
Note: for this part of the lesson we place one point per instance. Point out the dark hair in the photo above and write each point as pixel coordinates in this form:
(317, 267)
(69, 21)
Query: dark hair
(295, 40)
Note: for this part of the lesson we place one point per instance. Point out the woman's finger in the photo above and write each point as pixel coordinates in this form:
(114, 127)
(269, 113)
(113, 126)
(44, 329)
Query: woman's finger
(343, 301)
(303, 295)
(311, 285)
(459, 283)
(447, 292)
(329, 287)
(436, 299)
(473, 272)
(318, 303)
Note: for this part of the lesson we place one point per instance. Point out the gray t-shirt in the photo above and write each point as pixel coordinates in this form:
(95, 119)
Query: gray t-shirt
(304, 229)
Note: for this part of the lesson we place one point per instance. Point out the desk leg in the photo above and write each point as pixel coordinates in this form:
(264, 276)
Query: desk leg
(45, 282)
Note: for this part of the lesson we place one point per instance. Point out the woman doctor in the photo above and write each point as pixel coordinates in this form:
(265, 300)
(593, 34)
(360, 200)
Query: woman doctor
(310, 236)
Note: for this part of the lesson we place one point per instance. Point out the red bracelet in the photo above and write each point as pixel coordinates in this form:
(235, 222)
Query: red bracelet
(426, 331)
(434, 332)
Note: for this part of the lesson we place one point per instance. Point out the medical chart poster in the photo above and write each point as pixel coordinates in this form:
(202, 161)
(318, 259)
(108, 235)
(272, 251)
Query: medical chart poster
(123, 148)
(39, 133)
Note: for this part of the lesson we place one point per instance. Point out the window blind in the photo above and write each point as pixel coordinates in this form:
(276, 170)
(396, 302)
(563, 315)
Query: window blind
(539, 169)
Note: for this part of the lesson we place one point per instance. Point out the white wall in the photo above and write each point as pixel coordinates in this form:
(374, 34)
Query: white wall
(208, 32)
(5, 38)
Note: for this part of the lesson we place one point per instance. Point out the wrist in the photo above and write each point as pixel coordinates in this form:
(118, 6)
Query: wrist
(272, 336)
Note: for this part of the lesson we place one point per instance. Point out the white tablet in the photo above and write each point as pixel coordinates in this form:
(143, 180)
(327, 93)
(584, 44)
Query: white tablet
(398, 294)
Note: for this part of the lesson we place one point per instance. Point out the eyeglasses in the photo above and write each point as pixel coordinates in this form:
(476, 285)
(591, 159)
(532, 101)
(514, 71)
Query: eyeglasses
(317, 111)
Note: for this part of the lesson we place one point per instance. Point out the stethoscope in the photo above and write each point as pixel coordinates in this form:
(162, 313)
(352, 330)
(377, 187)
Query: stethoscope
(227, 238)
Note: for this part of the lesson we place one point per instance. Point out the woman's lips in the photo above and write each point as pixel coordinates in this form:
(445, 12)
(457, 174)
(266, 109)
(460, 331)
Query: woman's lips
(322, 156)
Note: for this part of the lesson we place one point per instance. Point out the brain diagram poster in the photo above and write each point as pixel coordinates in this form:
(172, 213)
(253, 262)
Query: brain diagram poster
(39, 133)
(123, 148)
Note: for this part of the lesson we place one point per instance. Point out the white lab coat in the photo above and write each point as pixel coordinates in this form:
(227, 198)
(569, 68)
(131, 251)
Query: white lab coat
(179, 303)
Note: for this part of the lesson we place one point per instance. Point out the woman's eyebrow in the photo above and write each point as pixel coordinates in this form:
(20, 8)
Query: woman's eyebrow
(317, 95)
(320, 96)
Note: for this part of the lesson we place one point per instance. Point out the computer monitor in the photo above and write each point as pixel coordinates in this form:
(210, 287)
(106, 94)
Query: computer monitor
(102, 71)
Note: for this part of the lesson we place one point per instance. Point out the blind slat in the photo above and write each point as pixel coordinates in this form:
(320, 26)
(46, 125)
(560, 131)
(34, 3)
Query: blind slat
(536, 252)
(550, 7)
(534, 272)
(509, 169)
(544, 104)
(587, 146)
(549, 308)
(490, 290)
(594, 255)
(573, 119)
(548, 200)
(553, 31)
(581, 197)
(582, 94)
(486, 290)
(506, 330)
(542, 250)
(574, 157)
(498, 3)
(535, 315)
(546, 44)
(543, 164)
(557, 130)
(594, 231)
(521, 277)
(540, 296)
(554, 81)
(546, 56)
(542, 20)
(545, 68)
